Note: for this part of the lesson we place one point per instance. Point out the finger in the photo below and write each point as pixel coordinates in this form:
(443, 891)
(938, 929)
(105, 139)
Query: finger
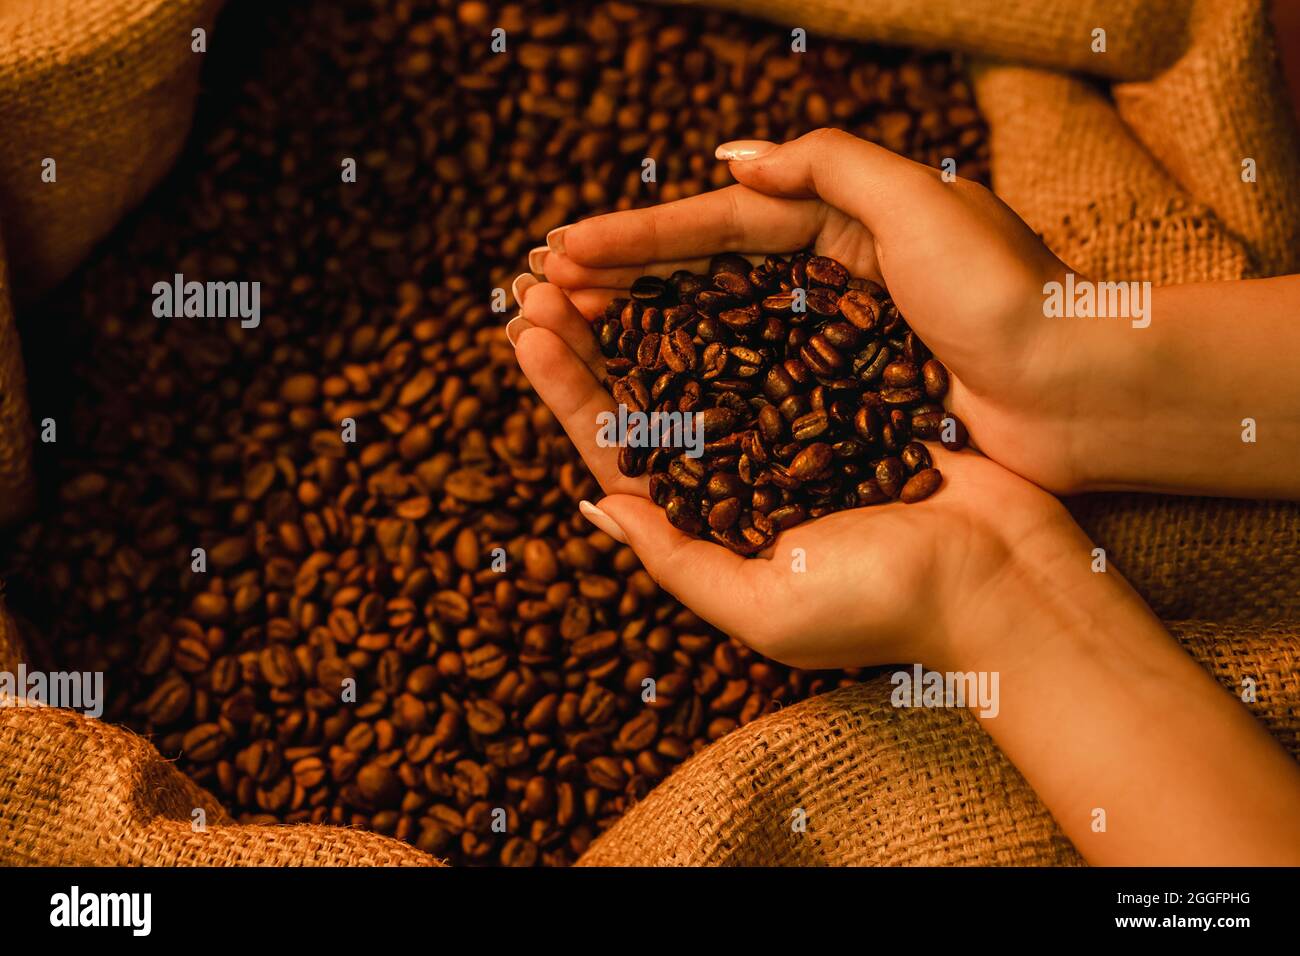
(734, 219)
(570, 274)
(714, 582)
(574, 396)
(546, 306)
(592, 302)
(876, 186)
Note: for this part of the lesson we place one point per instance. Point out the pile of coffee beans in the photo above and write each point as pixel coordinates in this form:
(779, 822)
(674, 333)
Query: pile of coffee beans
(807, 384)
(498, 644)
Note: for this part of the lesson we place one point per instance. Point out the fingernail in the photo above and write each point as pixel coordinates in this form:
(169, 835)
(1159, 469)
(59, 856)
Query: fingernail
(536, 257)
(602, 521)
(555, 240)
(517, 327)
(743, 149)
(521, 285)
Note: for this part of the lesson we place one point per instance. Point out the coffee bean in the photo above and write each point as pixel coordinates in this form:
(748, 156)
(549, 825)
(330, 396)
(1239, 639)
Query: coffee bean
(921, 485)
(915, 457)
(168, 703)
(648, 288)
(899, 375)
(678, 351)
(827, 272)
(812, 462)
(936, 379)
(724, 514)
(203, 743)
(889, 476)
(606, 773)
(378, 785)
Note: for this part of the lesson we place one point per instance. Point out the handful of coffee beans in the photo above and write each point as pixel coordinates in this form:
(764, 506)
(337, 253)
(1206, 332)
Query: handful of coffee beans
(809, 387)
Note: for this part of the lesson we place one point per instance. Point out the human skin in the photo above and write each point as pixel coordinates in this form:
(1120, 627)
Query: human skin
(1100, 709)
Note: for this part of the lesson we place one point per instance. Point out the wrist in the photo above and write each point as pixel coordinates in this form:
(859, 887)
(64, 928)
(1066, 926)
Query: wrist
(1053, 592)
(1118, 398)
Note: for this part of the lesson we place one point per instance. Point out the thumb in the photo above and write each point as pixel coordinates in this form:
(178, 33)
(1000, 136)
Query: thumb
(711, 580)
(866, 181)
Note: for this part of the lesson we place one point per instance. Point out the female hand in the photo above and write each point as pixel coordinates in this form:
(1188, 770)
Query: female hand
(891, 582)
(963, 269)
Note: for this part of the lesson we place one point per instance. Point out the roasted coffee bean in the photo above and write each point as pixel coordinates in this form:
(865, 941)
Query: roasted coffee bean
(788, 516)
(921, 485)
(889, 476)
(722, 485)
(952, 432)
(632, 461)
(810, 426)
(203, 743)
(678, 351)
(649, 289)
(632, 392)
(915, 457)
(869, 493)
(728, 262)
(861, 309)
(683, 514)
(936, 379)
(812, 462)
(724, 514)
(827, 272)
(899, 375)
(901, 396)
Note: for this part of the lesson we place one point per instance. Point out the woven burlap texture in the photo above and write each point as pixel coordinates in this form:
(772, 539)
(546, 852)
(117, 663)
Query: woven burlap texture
(1128, 192)
(848, 779)
(104, 89)
(75, 791)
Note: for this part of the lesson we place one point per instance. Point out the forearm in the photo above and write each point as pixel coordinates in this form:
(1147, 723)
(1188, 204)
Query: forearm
(1205, 400)
(1104, 714)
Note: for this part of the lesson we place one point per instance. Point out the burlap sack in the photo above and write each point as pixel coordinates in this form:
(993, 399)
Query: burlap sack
(78, 792)
(1133, 193)
(104, 89)
(885, 786)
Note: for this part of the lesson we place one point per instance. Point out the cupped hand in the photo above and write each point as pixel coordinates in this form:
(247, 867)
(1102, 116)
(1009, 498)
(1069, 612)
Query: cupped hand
(875, 585)
(963, 269)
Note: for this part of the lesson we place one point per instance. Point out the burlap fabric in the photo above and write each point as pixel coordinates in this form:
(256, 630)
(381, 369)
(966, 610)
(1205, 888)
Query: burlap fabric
(875, 785)
(1146, 187)
(104, 89)
(78, 792)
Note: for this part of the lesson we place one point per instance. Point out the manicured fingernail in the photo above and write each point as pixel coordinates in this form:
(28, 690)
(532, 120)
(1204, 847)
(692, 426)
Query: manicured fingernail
(521, 285)
(517, 327)
(535, 259)
(743, 149)
(602, 521)
(555, 240)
